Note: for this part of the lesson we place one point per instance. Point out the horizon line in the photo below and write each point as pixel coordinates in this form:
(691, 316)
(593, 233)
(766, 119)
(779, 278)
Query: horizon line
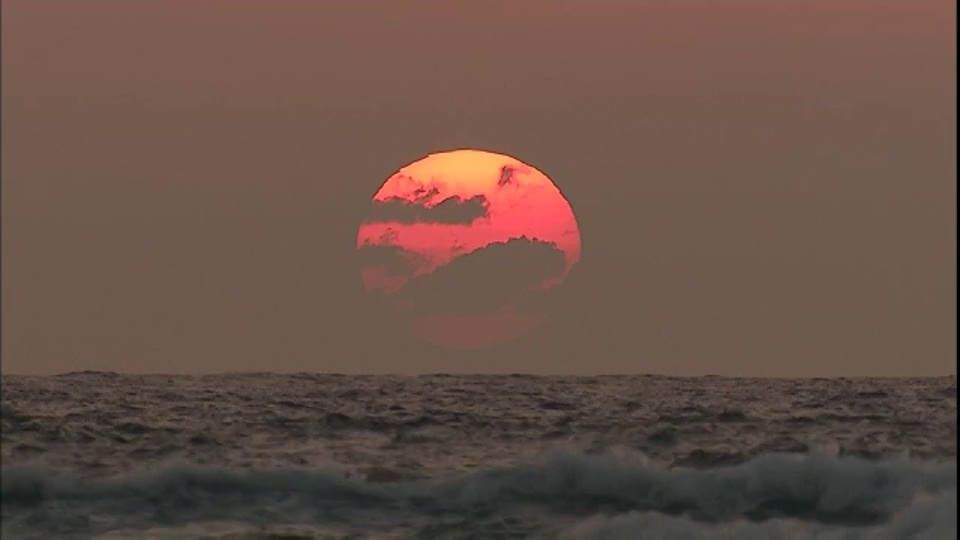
(469, 374)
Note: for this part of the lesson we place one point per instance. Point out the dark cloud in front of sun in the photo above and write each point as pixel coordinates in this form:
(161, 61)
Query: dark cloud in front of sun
(395, 260)
(506, 175)
(450, 211)
(486, 278)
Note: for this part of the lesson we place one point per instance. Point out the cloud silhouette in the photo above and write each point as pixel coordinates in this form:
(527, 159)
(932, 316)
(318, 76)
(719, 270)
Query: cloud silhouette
(506, 175)
(485, 279)
(395, 260)
(452, 210)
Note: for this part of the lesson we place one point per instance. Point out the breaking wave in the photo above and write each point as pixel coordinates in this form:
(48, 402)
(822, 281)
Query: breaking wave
(926, 517)
(610, 495)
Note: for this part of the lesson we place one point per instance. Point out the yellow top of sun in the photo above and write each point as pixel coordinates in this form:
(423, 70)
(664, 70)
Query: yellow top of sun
(462, 172)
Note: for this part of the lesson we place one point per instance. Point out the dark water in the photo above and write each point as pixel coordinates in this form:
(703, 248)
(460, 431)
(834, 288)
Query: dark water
(634, 457)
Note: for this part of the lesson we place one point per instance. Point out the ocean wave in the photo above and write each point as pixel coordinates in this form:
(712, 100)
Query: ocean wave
(766, 493)
(927, 517)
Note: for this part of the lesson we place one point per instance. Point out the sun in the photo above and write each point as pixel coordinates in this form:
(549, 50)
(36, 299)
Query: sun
(463, 245)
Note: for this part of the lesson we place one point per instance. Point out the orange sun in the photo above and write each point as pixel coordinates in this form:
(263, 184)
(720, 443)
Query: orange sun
(465, 245)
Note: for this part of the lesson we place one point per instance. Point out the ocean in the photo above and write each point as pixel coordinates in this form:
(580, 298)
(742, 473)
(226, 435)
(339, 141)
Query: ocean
(105, 455)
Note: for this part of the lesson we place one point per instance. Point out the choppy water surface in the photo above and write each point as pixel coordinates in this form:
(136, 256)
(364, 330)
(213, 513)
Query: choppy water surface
(633, 457)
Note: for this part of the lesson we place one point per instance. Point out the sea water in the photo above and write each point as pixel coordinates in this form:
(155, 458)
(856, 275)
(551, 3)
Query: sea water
(265, 455)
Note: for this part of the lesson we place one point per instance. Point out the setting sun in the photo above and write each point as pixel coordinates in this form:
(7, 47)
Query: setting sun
(499, 225)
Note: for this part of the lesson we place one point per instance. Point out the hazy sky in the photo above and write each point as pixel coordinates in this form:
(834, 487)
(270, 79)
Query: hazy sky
(763, 187)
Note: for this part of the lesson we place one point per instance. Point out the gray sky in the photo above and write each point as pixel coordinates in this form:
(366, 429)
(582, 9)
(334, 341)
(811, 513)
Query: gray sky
(763, 188)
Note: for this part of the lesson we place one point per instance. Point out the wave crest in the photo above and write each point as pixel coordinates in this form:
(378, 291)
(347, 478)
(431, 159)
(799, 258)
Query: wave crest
(817, 489)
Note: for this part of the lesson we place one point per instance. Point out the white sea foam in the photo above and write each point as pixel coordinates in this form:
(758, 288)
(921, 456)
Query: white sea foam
(448, 456)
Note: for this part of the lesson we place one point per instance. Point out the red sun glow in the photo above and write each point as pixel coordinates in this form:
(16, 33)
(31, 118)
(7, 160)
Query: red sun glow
(463, 243)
